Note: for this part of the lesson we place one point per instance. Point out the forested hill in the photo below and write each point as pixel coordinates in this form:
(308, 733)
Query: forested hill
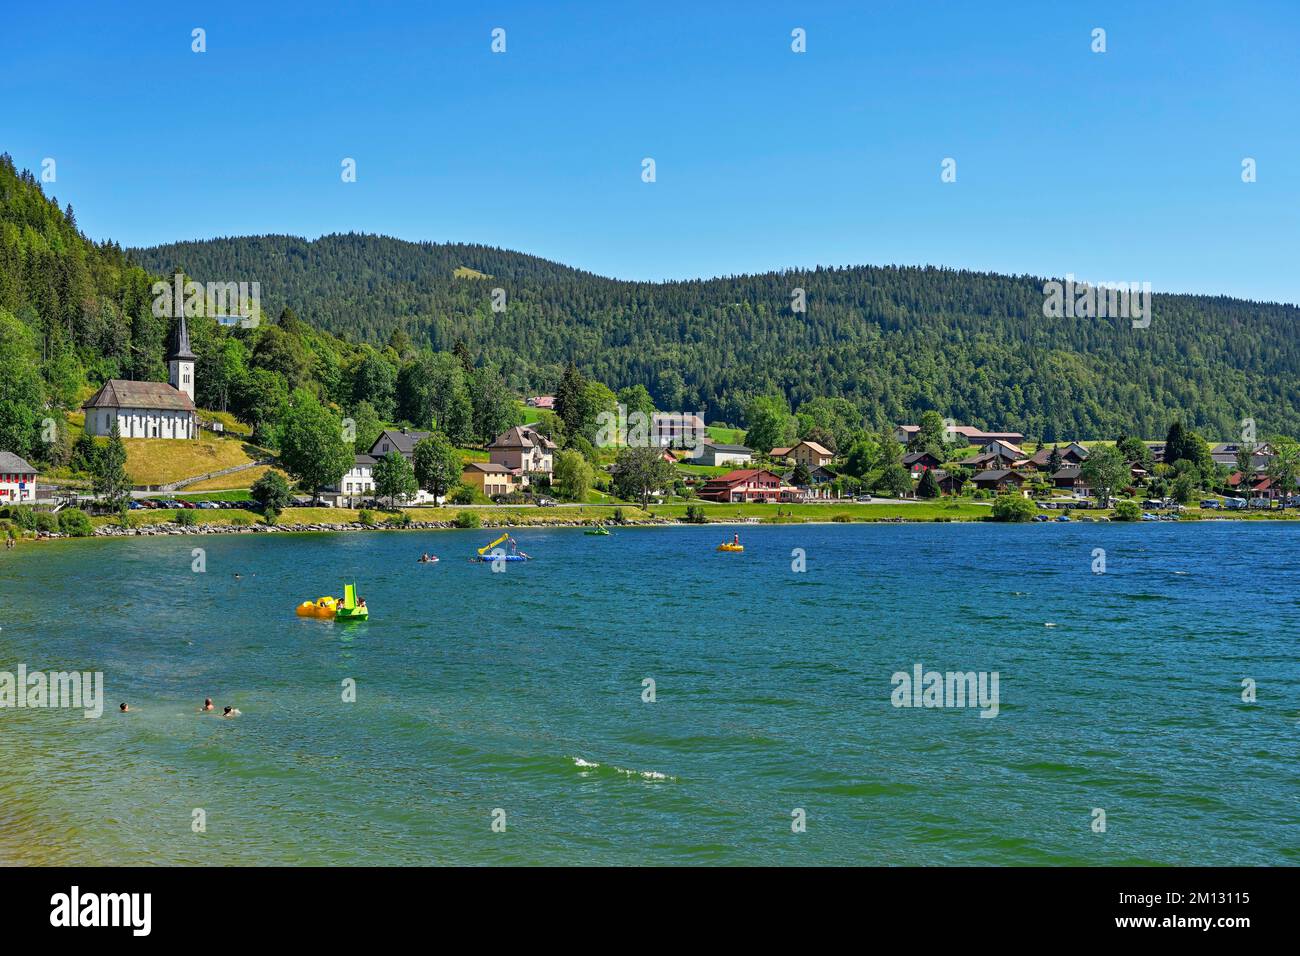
(895, 341)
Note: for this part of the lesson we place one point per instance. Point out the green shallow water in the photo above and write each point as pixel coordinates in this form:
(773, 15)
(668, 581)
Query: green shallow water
(522, 691)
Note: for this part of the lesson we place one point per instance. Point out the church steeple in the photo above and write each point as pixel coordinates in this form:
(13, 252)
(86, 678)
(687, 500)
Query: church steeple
(180, 361)
(180, 348)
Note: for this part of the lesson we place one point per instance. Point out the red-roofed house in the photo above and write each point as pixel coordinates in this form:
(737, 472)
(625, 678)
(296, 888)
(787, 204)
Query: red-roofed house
(744, 484)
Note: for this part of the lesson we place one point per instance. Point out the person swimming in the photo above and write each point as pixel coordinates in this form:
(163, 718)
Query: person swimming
(207, 704)
(123, 708)
(230, 712)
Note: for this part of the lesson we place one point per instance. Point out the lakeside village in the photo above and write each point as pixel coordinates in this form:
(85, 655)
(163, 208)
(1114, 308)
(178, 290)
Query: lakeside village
(611, 459)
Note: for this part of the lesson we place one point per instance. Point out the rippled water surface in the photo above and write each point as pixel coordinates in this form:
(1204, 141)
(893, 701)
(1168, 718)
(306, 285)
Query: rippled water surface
(523, 691)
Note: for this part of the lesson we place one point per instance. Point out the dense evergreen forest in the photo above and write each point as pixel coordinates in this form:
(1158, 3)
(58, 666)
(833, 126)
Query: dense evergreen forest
(894, 341)
(387, 331)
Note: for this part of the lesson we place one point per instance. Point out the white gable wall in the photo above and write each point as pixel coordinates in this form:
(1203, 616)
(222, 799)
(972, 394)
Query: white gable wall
(141, 422)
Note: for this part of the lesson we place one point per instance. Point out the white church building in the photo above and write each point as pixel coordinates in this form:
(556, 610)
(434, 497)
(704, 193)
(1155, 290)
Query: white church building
(149, 409)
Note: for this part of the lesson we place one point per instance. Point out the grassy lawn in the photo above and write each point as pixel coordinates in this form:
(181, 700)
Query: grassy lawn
(240, 479)
(726, 436)
(157, 461)
(707, 471)
(232, 425)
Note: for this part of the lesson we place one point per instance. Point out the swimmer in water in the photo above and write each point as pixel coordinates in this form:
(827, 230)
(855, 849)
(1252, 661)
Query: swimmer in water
(230, 712)
(123, 708)
(207, 704)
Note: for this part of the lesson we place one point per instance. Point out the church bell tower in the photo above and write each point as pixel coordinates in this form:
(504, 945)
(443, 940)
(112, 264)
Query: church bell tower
(180, 362)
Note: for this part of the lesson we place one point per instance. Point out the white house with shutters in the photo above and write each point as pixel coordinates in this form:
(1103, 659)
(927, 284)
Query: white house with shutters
(17, 480)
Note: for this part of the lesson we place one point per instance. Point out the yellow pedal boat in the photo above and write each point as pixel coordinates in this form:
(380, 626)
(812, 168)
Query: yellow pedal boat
(322, 607)
(731, 547)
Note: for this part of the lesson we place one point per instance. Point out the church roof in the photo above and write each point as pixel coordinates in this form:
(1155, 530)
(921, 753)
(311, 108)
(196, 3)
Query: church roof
(180, 343)
(119, 393)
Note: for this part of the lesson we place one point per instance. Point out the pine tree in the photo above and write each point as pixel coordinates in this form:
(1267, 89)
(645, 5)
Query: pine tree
(111, 483)
(569, 404)
(928, 487)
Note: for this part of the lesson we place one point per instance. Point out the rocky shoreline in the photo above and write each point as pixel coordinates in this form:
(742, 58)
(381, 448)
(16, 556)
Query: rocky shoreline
(170, 528)
(173, 529)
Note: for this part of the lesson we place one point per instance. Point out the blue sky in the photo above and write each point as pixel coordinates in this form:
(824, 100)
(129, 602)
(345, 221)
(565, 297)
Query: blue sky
(1121, 166)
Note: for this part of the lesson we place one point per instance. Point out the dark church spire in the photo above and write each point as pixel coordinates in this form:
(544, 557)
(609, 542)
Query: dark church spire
(180, 347)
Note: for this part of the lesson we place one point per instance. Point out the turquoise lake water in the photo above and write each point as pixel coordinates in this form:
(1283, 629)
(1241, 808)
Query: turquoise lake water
(523, 691)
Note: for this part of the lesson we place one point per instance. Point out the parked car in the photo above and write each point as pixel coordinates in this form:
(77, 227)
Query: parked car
(208, 505)
(136, 506)
(1210, 503)
(550, 503)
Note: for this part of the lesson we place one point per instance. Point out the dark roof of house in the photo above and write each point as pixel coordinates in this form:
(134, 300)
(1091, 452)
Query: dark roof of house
(521, 437)
(12, 464)
(119, 393)
(488, 467)
(733, 449)
(180, 343)
(364, 460)
(997, 474)
(402, 440)
(915, 456)
(1067, 471)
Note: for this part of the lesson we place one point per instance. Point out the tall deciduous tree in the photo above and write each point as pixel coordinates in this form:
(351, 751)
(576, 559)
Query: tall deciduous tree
(639, 471)
(312, 448)
(438, 465)
(1105, 471)
(769, 424)
(493, 405)
(573, 475)
(394, 478)
(1284, 467)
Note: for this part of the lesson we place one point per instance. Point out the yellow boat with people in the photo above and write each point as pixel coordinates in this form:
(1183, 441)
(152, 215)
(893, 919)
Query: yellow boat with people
(323, 608)
(732, 545)
(330, 608)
